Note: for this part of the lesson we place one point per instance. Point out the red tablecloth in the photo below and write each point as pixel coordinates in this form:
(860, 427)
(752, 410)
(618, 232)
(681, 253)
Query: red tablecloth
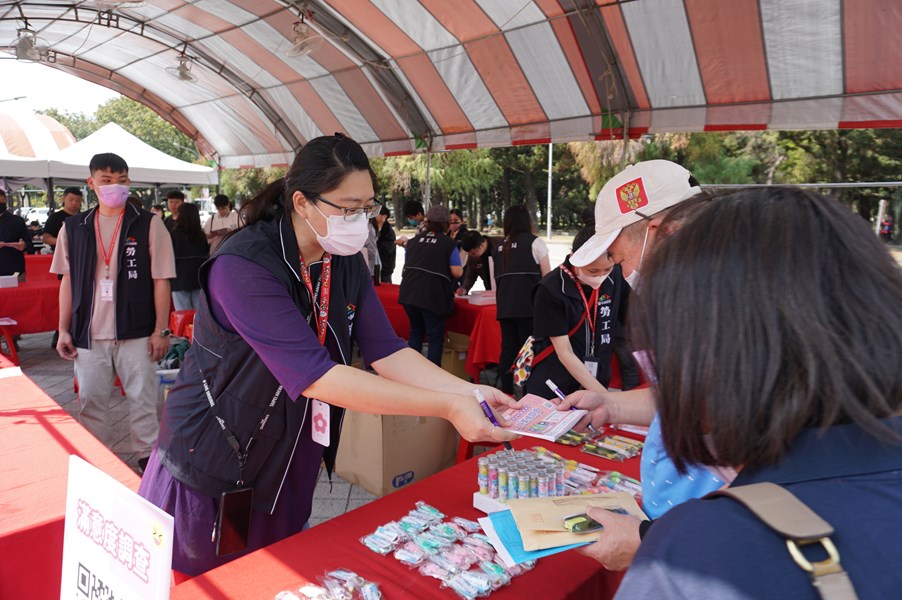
(478, 322)
(36, 439)
(303, 557)
(34, 305)
(37, 267)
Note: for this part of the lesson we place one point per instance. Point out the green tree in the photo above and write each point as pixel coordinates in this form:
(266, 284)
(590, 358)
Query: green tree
(78, 124)
(243, 184)
(145, 124)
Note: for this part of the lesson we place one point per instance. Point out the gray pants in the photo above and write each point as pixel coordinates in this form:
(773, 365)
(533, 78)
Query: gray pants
(96, 370)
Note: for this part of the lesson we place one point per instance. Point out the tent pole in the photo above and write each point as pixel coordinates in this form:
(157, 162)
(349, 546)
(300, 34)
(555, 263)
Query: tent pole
(548, 209)
(51, 197)
(428, 195)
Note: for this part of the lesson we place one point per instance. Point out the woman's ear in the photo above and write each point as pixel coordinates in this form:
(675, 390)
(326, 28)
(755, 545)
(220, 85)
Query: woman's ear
(299, 201)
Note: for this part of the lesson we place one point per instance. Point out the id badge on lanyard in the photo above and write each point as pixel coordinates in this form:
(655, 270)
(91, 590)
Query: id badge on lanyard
(321, 413)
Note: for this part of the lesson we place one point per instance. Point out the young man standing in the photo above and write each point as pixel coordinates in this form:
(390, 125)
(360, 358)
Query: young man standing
(116, 261)
(174, 200)
(224, 221)
(72, 198)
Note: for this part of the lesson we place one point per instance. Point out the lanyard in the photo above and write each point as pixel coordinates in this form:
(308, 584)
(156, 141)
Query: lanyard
(107, 255)
(323, 287)
(591, 315)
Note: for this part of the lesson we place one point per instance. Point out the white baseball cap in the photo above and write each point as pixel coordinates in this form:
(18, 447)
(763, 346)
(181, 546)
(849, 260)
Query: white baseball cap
(637, 192)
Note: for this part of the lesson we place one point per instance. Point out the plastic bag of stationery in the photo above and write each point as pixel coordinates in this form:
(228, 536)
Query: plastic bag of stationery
(338, 584)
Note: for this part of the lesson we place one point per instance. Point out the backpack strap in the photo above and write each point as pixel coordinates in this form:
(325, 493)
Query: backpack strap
(780, 510)
(547, 351)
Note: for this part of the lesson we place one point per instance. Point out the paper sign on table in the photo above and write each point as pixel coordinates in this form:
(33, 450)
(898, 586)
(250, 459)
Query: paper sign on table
(539, 418)
(116, 544)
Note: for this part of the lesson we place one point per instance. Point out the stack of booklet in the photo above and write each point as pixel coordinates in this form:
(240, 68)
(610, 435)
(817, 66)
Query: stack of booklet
(537, 527)
(540, 418)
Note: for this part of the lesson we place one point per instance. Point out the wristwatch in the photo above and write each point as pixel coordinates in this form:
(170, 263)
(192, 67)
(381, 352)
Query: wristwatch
(165, 332)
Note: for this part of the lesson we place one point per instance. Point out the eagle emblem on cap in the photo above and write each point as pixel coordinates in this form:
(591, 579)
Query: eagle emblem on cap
(631, 195)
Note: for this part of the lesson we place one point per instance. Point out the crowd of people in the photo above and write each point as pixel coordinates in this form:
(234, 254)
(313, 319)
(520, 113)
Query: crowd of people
(761, 364)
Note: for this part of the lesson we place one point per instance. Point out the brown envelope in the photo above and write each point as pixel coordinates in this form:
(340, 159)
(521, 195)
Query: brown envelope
(541, 520)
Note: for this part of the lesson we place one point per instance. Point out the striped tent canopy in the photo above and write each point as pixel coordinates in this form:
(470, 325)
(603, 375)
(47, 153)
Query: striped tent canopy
(27, 135)
(260, 77)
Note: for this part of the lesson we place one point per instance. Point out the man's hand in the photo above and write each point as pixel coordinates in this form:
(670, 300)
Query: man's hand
(460, 292)
(20, 245)
(65, 347)
(158, 346)
(594, 402)
(401, 241)
(619, 541)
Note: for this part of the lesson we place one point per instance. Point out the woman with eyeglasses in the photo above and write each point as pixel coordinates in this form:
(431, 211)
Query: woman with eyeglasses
(259, 401)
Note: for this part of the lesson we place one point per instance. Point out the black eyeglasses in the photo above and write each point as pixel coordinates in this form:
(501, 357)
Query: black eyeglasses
(351, 214)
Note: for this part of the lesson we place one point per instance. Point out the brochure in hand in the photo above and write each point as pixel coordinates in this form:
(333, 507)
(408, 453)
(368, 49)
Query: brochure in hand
(539, 418)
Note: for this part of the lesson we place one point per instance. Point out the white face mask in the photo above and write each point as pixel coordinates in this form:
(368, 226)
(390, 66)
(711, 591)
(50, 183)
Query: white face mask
(593, 281)
(633, 278)
(343, 238)
(112, 196)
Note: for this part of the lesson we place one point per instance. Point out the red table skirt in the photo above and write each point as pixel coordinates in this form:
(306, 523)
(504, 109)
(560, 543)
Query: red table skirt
(477, 322)
(36, 439)
(34, 305)
(303, 557)
(37, 267)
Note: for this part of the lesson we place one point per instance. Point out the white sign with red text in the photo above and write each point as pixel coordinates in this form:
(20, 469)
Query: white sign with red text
(116, 543)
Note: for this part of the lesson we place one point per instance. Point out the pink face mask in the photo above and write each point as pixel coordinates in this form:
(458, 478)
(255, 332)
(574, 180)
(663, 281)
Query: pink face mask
(112, 196)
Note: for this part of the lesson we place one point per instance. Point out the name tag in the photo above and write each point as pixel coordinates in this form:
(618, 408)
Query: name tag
(106, 290)
(320, 425)
(592, 365)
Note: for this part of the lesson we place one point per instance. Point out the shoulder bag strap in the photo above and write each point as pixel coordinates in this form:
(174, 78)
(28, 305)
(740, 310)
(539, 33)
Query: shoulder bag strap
(547, 351)
(780, 510)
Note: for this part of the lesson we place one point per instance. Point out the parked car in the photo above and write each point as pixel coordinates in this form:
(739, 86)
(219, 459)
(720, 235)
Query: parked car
(37, 213)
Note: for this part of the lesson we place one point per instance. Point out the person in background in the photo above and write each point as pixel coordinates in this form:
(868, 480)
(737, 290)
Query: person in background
(189, 244)
(15, 241)
(37, 234)
(159, 210)
(116, 261)
(766, 363)
(284, 299)
(480, 264)
(575, 310)
(71, 205)
(457, 226)
(430, 266)
(413, 211)
(385, 243)
(521, 261)
(224, 221)
(174, 200)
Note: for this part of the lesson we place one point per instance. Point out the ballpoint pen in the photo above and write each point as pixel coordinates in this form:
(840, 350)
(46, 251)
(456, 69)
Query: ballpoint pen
(557, 392)
(491, 416)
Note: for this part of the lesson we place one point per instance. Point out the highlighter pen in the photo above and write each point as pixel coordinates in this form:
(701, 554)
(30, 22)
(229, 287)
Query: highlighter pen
(557, 392)
(491, 416)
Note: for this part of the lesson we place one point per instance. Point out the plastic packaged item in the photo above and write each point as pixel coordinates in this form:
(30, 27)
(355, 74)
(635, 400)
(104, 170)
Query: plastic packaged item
(337, 589)
(447, 531)
(596, 450)
(432, 513)
(314, 592)
(351, 580)
(479, 580)
(482, 477)
(430, 543)
(496, 573)
(287, 596)
(430, 569)
(462, 587)
(468, 525)
(370, 591)
(381, 541)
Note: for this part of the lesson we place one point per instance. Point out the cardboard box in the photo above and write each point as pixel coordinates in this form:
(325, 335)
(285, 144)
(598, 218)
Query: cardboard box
(382, 453)
(454, 354)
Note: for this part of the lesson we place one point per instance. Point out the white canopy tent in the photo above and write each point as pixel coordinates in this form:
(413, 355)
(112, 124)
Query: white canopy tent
(147, 165)
(26, 139)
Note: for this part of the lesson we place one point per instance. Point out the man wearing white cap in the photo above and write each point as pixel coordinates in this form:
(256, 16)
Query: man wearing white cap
(629, 211)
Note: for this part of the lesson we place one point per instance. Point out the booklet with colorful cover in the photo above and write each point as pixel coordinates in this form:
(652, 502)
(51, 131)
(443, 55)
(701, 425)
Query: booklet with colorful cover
(539, 418)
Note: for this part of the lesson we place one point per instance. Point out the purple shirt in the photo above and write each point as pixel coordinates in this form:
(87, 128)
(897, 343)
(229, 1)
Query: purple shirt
(248, 300)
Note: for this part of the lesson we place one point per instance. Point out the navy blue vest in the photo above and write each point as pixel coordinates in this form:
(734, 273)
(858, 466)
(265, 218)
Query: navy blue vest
(426, 282)
(191, 443)
(135, 313)
(516, 274)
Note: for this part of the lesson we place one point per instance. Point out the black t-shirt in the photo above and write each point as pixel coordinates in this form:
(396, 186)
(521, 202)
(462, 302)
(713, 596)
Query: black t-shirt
(557, 308)
(55, 222)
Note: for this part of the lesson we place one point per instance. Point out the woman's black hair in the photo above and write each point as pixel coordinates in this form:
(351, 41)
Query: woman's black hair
(320, 166)
(770, 311)
(188, 223)
(516, 221)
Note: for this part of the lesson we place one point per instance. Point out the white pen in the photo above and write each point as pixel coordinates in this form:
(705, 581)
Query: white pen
(557, 392)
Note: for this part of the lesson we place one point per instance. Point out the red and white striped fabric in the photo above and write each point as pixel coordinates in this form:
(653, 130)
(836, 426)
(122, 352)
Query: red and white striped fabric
(395, 74)
(29, 135)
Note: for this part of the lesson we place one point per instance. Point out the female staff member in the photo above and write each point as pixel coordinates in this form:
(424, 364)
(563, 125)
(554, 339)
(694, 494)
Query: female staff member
(260, 398)
(431, 265)
(190, 246)
(520, 262)
(576, 309)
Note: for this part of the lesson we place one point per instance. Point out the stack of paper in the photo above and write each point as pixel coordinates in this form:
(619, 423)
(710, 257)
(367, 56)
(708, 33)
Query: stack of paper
(534, 527)
(540, 418)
